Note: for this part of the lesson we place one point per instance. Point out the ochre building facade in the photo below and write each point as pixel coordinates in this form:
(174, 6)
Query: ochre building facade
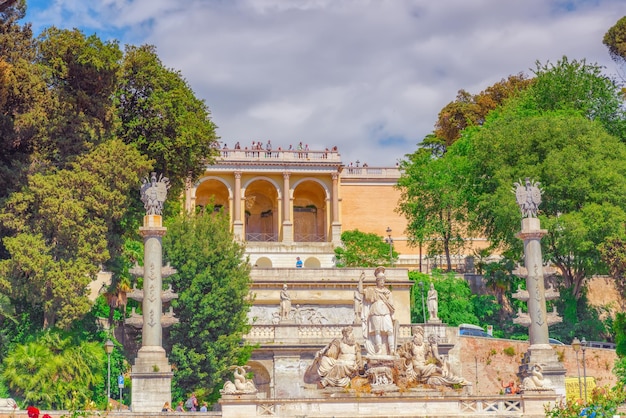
(296, 203)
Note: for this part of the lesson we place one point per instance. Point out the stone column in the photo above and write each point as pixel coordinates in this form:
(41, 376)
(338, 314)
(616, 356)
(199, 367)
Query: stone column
(237, 222)
(540, 353)
(531, 235)
(335, 223)
(287, 223)
(151, 374)
(152, 306)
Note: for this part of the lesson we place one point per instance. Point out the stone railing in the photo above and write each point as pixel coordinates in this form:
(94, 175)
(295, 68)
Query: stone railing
(408, 404)
(306, 333)
(372, 172)
(231, 155)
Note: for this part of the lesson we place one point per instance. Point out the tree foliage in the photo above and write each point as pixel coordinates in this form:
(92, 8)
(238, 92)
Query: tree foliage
(81, 72)
(433, 200)
(363, 249)
(615, 40)
(455, 298)
(557, 132)
(162, 118)
(22, 94)
(62, 225)
(471, 110)
(581, 169)
(55, 372)
(579, 86)
(213, 283)
(613, 253)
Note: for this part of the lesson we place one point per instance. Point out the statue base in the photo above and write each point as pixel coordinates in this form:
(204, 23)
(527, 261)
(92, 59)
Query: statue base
(152, 380)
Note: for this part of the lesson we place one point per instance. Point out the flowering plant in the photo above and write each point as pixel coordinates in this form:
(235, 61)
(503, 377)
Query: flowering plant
(32, 412)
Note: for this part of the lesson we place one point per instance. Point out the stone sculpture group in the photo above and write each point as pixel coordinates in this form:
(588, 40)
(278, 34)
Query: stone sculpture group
(416, 361)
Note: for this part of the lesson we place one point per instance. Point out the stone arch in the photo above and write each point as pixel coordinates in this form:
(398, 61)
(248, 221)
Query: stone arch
(261, 208)
(312, 263)
(310, 198)
(261, 378)
(213, 190)
(263, 262)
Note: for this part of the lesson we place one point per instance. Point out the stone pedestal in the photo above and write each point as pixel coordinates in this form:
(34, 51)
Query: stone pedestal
(288, 375)
(152, 380)
(336, 233)
(287, 232)
(238, 231)
(552, 369)
(287, 332)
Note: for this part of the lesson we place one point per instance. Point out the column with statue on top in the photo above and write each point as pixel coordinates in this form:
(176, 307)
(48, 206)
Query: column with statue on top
(541, 370)
(152, 374)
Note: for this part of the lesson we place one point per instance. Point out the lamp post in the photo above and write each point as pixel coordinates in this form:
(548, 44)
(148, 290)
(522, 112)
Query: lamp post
(421, 285)
(108, 347)
(576, 347)
(583, 345)
(389, 241)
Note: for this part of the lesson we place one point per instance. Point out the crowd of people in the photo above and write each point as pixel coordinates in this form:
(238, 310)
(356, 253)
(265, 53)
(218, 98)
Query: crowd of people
(191, 405)
(267, 149)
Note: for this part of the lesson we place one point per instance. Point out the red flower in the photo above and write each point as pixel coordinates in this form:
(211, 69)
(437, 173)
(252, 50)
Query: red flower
(32, 412)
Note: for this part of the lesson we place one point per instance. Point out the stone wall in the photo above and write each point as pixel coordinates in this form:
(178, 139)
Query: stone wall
(490, 362)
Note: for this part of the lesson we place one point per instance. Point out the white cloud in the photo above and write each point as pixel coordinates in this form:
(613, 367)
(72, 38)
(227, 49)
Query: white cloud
(351, 73)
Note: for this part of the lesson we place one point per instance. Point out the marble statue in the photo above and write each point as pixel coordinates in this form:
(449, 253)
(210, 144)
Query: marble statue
(528, 196)
(154, 193)
(8, 404)
(423, 364)
(240, 383)
(358, 305)
(535, 380)
(380, 328)
(339, 361)
(285, 304)
(433, 303)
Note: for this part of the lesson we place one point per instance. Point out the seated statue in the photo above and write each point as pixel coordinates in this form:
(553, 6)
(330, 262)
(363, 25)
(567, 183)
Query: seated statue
(339, 361)
(423, 363)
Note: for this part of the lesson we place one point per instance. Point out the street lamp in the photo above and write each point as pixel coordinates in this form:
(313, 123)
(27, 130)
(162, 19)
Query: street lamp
(576, 347)
(421, 285)
(108, 347)
(389, 241)
(583, 345)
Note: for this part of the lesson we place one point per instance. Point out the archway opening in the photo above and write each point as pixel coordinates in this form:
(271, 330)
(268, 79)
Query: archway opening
(261, 202)
(309, 212)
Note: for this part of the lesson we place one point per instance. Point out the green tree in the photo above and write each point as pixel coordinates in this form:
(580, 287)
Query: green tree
(162, 118)
(581, 169)
(63, 226)
(613, 253)
(82, 75)
(55, 372)
(615, 40)
(363, 249)
(213, 282)
(23, 94)
(471, 110)
(498, 279)
(433, 200)
(579, 86)
(455, 298)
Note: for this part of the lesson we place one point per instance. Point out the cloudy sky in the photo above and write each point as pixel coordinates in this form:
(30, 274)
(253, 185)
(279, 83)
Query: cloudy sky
(369, 76)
